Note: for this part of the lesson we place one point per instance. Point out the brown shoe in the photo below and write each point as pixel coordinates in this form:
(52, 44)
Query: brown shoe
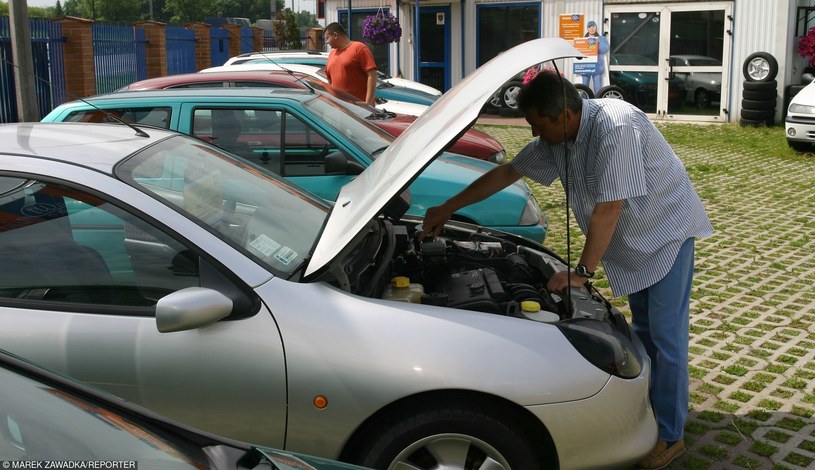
(662, 455)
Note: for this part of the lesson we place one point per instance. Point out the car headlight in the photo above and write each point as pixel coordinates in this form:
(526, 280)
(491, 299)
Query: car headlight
(801, 109)
(498, 157)
(532, 212)
(604, 346)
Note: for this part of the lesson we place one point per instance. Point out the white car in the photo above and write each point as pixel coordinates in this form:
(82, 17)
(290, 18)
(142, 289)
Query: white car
(155, 266)
(399, 107)
(800, 121)
(310, 57)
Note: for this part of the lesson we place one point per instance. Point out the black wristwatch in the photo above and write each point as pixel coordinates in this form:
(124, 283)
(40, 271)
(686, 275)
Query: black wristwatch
(582, 271)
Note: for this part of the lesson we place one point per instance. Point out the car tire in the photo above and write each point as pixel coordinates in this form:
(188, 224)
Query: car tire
(760, 67)
(760, 86)
(758, 105)
(509, 94)
(758, 115)
(584, 91)
(756, 123)
(418, 438)
(701, 98)
(799, 146)
(611, 91)
(758, 95)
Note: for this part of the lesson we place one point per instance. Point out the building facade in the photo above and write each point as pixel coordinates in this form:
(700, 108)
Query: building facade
(677, 60)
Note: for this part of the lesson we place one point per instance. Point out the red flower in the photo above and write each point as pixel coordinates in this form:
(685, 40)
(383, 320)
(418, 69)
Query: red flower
(806, 46)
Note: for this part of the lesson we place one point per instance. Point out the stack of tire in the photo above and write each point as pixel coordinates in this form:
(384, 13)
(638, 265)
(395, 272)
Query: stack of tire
(760, 90)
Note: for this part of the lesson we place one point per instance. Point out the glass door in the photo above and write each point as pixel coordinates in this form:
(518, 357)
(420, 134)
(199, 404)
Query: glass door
(669, 60)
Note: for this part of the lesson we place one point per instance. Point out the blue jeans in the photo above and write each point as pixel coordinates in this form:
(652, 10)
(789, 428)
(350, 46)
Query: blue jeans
(660, 317)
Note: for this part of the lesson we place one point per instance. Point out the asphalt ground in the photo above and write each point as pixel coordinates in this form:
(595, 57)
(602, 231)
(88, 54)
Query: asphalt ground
(752, 343)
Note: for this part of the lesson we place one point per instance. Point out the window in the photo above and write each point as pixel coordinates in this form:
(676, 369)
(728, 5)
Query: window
(501, 27)
(62, 245)
(159, 117)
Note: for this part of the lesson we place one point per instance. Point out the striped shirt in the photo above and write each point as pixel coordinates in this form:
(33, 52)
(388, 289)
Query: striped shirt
(620, 155)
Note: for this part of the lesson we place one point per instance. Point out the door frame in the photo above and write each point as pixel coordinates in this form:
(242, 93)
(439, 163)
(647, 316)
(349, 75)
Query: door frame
(663, 67)
(436, 65)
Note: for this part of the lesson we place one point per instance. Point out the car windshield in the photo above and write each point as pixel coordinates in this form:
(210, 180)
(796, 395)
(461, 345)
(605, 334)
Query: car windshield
(259, 214)
(347, 122)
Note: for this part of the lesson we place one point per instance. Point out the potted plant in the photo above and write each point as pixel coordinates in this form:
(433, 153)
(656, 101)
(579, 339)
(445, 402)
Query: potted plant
(381, 28)
(806, 47)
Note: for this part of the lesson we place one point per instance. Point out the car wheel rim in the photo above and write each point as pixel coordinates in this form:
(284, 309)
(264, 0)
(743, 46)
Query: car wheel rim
(758, 69)
(444, 451)
(511, 96)
(496, 99)
(615, 95)
(702, 100)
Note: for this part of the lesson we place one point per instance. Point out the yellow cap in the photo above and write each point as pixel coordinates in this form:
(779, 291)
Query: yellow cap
(530, 306)
(400, 281)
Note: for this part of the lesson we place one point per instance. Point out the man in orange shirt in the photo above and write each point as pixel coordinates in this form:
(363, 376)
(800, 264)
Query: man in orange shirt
(351, 66)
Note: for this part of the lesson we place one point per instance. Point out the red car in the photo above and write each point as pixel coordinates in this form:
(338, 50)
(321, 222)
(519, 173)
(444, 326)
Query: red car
(473, 143)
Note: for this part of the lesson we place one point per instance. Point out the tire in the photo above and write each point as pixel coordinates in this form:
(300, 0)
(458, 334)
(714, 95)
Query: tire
(758, 95)
(762, 115)
(509, 94)
(584, 91)
(758, 105)
(755, 123)
(702, 99)
(458, 435)
(799, 146)
(760, 67)
(760, 86)
(611, 91)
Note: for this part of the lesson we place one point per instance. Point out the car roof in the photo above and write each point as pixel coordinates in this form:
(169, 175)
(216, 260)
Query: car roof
(277, 76)
(246, 94)
(98, 146)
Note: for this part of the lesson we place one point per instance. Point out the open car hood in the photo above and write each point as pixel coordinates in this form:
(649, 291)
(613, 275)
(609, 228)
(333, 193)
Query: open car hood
(408, 155)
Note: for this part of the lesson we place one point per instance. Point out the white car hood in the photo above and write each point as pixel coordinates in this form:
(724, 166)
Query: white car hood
(364, 197)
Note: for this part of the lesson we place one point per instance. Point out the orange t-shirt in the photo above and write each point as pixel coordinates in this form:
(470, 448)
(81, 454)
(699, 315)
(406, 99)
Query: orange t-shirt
(347, 69)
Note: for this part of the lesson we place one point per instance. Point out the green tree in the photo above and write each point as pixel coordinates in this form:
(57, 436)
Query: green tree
(58, 11)
(286, 31)
(186, 11)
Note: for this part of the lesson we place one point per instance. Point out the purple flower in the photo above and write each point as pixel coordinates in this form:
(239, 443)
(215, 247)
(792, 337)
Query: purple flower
(381, 28)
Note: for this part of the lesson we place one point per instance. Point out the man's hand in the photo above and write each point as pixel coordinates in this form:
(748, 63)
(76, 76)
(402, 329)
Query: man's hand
(560, 280)
(434, 220)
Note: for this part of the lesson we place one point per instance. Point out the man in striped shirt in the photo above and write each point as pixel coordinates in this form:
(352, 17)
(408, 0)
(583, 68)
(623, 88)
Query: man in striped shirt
(633, 200)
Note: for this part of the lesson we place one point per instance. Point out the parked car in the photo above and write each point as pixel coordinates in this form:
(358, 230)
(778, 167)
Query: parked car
(640, 88)
(46, 416)
(233, 301)
(702, 88)
(312, 57)
(384, 89)
(385, 104)
(474, 143)
(800, 119)
(312, 139)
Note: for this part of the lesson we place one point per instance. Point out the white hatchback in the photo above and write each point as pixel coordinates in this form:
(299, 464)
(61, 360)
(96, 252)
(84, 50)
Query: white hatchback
(800, 121)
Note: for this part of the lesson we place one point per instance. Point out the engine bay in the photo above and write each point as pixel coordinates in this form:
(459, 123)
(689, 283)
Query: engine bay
(463, 269)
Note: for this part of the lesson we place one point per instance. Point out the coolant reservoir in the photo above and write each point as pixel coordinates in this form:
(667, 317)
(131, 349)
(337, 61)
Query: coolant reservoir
(403, 290)
(532, 311)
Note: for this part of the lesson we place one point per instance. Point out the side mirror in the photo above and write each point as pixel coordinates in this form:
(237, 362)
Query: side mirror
(191, 308)
(338, 162)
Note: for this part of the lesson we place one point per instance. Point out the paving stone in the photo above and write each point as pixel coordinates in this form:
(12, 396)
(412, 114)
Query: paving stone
(752, 357)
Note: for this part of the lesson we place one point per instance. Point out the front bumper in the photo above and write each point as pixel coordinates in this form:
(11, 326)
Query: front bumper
(614, 428)
(800, 129)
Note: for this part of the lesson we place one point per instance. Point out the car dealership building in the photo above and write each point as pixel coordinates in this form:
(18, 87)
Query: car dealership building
(710, 52)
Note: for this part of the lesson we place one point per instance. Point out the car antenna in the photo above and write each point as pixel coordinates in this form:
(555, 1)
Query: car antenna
(108, 114)
(241, 40)
(566, 190)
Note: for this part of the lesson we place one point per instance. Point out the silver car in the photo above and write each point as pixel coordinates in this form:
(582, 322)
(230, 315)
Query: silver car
(703, 88)
(161, 269)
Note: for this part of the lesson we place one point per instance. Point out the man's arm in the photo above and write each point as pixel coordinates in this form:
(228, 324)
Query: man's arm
(485, 186)
(370, 92)
(602, 223)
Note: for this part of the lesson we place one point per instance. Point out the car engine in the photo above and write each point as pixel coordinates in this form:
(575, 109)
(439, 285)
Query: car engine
(463, 269)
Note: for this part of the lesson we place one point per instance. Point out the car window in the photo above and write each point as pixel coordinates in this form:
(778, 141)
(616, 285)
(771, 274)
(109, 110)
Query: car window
(212, 84)
(346, 122)
(60, 244)
(262, 216)
(272, 138)
(152, 116)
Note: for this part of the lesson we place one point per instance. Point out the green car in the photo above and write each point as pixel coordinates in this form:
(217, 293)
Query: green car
(313, 140)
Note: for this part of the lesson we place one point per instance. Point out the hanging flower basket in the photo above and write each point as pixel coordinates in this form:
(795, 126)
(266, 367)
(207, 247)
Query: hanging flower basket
(806, 46)
(381, 28)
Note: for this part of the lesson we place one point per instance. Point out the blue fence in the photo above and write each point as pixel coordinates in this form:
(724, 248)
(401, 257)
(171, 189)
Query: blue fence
(119, 56)
(180, 50)
(46, 49)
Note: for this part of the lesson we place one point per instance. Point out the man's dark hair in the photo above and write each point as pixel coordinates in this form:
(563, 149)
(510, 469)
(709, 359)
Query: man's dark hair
(546, 92)
(335, 28)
